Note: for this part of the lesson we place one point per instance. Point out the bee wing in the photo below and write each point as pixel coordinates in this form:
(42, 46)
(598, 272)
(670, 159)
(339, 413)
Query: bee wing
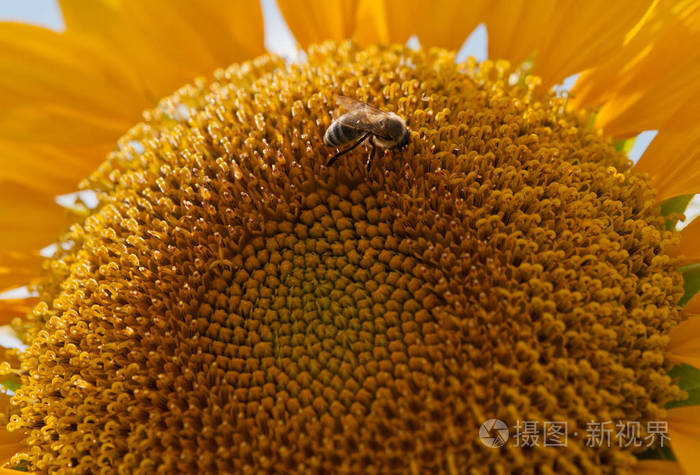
(360, 115)
(348, 103)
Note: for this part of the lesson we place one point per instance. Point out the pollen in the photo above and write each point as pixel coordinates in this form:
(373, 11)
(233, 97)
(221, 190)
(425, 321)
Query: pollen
(235, 305)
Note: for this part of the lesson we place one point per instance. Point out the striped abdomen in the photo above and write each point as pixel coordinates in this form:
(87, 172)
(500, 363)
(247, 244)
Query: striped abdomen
(339, 134)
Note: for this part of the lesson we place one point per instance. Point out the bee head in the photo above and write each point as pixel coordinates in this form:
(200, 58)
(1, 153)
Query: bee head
(394, 127)
(403, 141)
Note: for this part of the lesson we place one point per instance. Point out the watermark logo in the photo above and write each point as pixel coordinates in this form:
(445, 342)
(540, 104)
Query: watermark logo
(493, 433)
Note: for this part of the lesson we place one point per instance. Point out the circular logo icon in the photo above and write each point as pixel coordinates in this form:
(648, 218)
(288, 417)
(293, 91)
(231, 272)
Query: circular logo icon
(493, 433)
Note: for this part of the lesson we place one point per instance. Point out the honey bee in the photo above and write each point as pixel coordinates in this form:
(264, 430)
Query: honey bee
(361, 122)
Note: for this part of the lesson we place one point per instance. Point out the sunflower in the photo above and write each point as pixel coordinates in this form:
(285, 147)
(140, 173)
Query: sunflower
(234, 304)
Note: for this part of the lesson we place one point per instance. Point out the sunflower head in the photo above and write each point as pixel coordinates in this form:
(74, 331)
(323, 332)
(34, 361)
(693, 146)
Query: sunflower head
(235, 305)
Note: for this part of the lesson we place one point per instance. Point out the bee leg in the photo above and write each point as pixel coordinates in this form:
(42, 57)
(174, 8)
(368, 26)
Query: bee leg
(332, 160)
(372, 153)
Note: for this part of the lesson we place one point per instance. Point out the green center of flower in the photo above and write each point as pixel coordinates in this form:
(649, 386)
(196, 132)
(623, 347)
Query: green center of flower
(236, 305)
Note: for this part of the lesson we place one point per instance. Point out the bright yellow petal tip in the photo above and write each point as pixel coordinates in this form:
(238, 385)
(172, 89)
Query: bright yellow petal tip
(655, 73)
(657, 467)
(688, 249)
(684, 434)
(684, 346)
(561, 39)
(673, 157)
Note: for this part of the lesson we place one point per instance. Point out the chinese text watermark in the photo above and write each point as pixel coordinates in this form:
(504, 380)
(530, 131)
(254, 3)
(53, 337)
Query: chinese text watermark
(495, 433)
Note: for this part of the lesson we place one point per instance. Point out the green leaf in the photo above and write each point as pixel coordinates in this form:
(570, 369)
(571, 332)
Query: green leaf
(22, 467)
(10, 384)
(691, 282)
(659, 453)
(624, 145)
(688, 380)
(673, 208)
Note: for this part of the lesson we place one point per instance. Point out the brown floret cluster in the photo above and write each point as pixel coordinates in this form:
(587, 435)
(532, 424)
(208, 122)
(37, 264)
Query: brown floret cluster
(234, 305)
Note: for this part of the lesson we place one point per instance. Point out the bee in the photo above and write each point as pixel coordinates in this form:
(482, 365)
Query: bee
(361, 122)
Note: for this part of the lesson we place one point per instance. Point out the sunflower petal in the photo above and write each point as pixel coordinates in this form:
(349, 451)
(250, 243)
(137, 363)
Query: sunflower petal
(17, 268)
(673, 157)
(684, 346)
(442, 23)
(66, 100)
(684, 432)
(11, 308)
(314, 21)
(563, 39)
(9, 471)
(107, 24)
(64, 104)
(54, 170)
(57, 90)
(8, 450)
(10, 442)
(170, 42)
(642, 85)
(657, 467)
(202, 36)
(688, 250)
(516, 29)
(693, 306)
(29, 218)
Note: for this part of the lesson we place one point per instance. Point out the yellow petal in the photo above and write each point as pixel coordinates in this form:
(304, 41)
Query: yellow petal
(57, 90)
(10, 442)
(693, 305)
(684, 432)
(169, 42)
(564, 39)
(29, 218)
(442, 23)
(684, 346)
(314, 21)
(11, 308)
(657, 467)
(10, 355)
(52, 169)
(68, 97)
(201, 36)
(672, 160)
(64, 105)
(584, 35)
(8, 450)
(4, 406)
(688, 250)
(656, 72)
(18, 268)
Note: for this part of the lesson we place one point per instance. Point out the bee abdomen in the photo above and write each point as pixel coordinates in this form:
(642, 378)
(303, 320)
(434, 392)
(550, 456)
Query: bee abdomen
(338, 134)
